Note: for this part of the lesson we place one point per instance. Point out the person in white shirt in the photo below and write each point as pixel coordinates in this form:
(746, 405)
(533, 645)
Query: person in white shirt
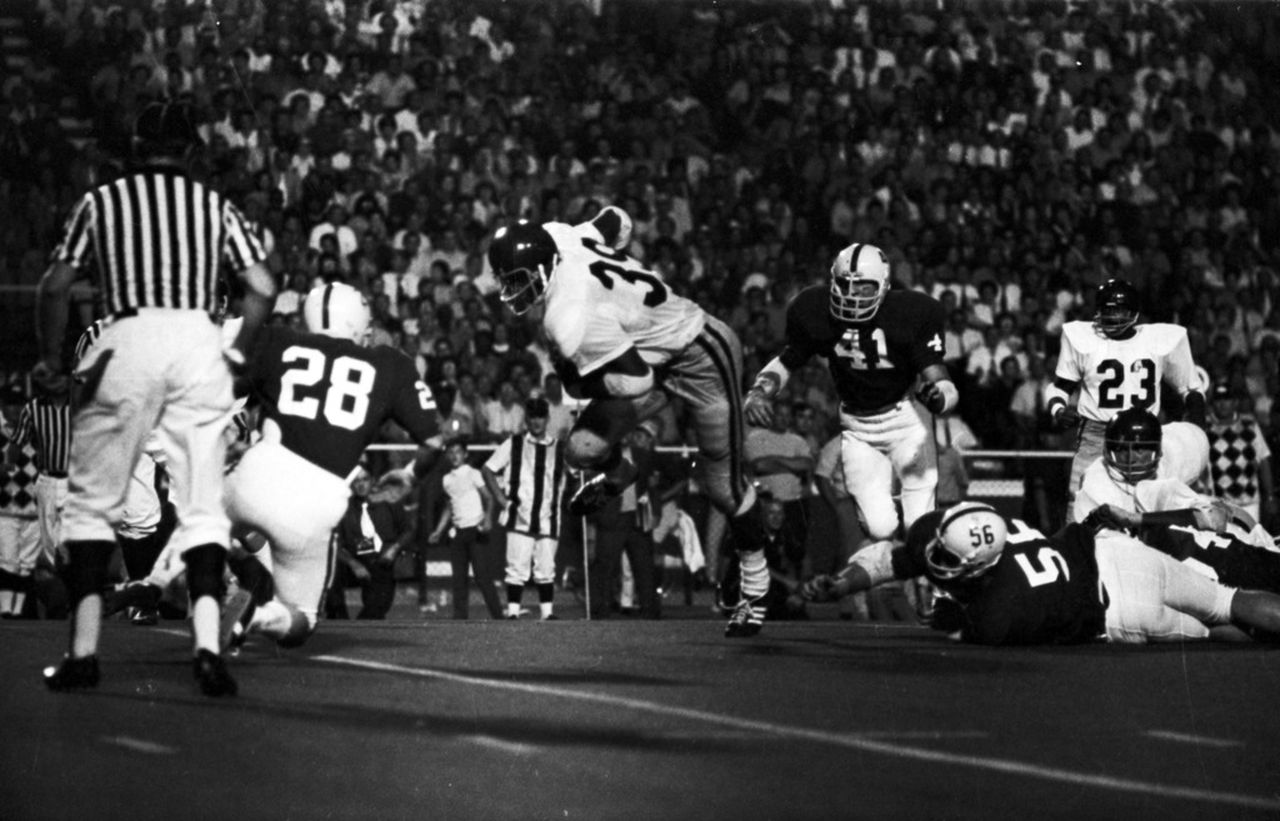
(469, 512)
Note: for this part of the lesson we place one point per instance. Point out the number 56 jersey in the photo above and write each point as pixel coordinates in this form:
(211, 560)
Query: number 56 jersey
(600, 302)
(1118, 374)
(330, 396)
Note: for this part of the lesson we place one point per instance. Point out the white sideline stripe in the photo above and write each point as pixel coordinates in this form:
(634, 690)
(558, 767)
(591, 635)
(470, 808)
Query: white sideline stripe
(139, 745)
(1188, 738)
(855, 742)
(499, 744)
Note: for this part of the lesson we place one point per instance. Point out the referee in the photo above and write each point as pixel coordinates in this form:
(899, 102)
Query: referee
(155, 239)
(45, 424)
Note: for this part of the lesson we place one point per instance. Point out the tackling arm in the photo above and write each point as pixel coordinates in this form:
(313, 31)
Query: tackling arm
(939, 393)
(51, 313)
(1058, 398)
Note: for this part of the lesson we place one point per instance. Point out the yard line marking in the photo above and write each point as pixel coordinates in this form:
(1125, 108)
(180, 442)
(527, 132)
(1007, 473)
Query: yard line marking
(499, 744)
(139, 745)
(1188, 738)
(1001, 765)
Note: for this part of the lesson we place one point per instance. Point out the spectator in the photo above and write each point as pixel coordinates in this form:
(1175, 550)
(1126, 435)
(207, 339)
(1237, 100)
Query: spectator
(371, 536)
(468, 516)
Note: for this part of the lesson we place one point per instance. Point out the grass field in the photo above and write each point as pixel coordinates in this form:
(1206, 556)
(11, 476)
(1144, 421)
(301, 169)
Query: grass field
(437, 719)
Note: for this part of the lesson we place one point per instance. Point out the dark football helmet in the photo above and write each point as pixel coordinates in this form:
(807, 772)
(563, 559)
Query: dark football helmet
(522, 256)
(165, 128)
(1115, 308)
(859, 282)
(1131, 445)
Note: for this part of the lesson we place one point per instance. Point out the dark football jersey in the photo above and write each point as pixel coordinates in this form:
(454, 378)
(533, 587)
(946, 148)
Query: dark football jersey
(1237, 563)
(330, 396)
(874, 363)
(1042, 590)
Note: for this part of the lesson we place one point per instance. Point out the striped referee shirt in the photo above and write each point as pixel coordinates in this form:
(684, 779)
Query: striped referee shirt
(47, 427)
(532, 470)
(157, 239)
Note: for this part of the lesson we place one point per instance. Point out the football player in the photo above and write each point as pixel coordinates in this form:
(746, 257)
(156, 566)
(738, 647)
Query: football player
(1010, 584)
(1141, 481)
(879, 344)
(621, 338)
(324, 396)
(1117, 364)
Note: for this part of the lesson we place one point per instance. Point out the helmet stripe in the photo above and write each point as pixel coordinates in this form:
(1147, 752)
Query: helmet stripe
(853, 258)
(961, 509)
(324, 307)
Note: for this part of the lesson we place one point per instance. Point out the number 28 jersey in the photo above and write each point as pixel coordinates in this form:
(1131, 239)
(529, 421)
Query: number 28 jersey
(1041, 591)
(330, 396)
(600, 302)
(873, 363)
(1118, 374)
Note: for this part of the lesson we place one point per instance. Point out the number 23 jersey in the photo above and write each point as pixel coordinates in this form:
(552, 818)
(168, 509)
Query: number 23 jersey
(330, 396)
(1118, 374)
(600, 302)
(873, 363)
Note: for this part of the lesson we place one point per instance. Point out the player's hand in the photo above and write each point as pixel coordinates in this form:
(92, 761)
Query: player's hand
(821, 588)
(758, 409)
(234, 357)
(1214, 516)
(1067, 417)
(49, 377)
(1112, 518)
(932, 397)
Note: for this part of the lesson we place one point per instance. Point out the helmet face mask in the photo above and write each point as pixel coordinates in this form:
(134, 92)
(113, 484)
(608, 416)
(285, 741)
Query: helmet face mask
(1132, 446)
(1116, 309)
(970, 540)
(522, 256)
(859, 282)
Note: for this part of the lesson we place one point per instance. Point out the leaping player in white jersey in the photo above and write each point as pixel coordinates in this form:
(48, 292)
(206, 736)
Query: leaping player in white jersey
(1117, 364)
(624, 340)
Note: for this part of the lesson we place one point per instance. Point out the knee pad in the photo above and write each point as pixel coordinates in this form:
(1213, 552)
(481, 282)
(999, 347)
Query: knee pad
(204, 570)
(301, 626)
(86, 571)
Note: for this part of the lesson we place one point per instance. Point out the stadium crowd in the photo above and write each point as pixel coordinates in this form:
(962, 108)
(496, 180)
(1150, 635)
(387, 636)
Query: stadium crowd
(1007, 156)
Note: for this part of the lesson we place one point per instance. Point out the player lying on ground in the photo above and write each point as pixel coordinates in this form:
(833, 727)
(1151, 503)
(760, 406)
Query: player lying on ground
(1010, 584)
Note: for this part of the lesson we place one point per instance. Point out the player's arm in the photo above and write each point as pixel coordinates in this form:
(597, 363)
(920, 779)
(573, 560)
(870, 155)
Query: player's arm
(244, 254)
(1181, 375)
(937, 392)
(1066, 381)
(757, 406)
(487, 502)
(1116, 518)
(626, 376)
(613, 225)
(494, 485)
(870, 566)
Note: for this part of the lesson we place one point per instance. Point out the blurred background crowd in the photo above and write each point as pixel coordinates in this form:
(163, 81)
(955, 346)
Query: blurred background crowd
(1008, 156)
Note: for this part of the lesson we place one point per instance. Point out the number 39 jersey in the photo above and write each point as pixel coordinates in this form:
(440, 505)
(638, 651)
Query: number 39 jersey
(330, 396)
(1118, 374)
(874, 363)
(600, 302)
(1042, 590)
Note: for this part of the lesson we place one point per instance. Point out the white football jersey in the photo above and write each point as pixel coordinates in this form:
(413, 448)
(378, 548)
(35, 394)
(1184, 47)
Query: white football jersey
(1148, 495)
(599, 302)
(1117, 374)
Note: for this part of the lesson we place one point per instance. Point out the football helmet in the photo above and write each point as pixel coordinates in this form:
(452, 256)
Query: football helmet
(1132, 445)
(859, 282)
(1115, 308)
(338, 310)
(971, 536)
(522, 256)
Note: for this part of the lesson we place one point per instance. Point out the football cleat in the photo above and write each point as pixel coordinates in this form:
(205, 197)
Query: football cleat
(747, 618)
(234, 625)
(212, 676)
(142, 595)
(72, 674)
(593, 495)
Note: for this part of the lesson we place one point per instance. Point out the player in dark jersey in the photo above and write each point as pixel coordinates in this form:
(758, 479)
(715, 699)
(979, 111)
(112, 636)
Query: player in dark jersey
(324, 397)
(1221, 555)
(1014, 585)
(880, 345)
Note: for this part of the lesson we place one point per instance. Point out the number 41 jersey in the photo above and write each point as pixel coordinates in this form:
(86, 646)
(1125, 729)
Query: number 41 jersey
(1118, 374)
(874, 363)
(330, 396)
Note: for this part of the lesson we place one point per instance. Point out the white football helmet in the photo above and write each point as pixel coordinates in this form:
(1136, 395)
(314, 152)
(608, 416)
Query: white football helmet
(859, 282)
(971, 536)
(337, 310)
